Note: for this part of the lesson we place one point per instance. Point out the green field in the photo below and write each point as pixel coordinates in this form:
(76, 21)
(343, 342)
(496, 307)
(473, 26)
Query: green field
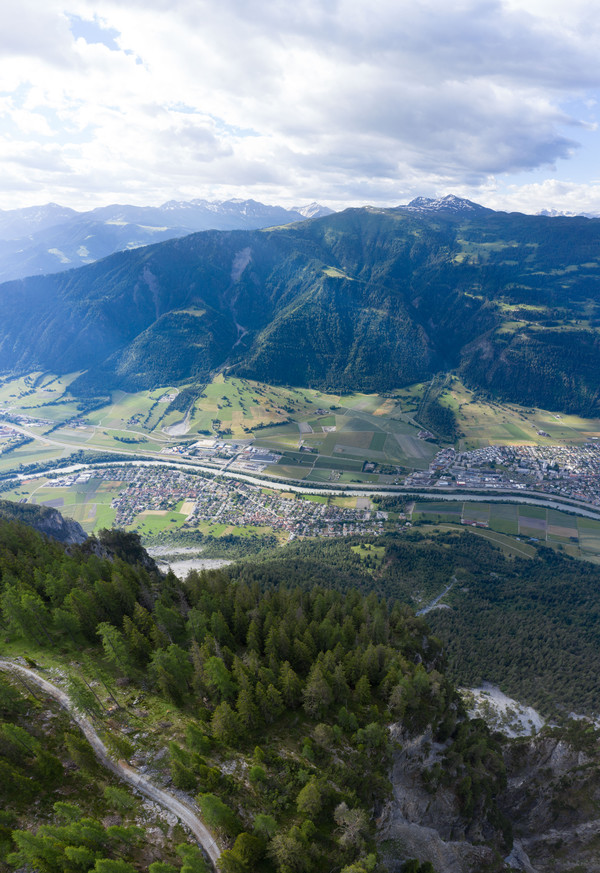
(484, 422)
(89, 503)
(579, 537)
(343, 432)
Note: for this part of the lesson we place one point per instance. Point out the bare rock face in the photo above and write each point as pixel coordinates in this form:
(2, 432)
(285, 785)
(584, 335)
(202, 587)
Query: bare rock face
(44, 519)
(65, 530)
(553, 799)
(418, 824)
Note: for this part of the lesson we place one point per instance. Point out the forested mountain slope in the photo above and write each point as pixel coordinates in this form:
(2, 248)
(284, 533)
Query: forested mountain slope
(529, 625)
(268, 695)
(366, 299)
(281, 697)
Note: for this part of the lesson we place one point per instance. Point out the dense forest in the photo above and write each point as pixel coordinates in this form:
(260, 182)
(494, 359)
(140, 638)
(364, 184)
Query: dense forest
(296, 681)
(531, 626)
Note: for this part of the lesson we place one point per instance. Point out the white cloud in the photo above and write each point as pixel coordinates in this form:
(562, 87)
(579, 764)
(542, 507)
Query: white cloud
(335, 100)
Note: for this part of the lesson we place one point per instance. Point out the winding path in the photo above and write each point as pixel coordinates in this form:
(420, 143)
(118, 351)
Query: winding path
(121, 769)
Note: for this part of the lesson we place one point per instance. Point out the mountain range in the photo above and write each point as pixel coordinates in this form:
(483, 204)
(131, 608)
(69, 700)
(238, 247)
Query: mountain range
(51, 238)
(366, 299)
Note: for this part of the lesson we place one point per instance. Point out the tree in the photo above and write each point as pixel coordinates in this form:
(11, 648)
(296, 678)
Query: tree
(257, 774)
(27, 615)
(67, 811)
(161, 867)
(66, 622)
(192, 859)
(218, 815)
(247, 709)
(83, 698)
(219, 679)
(265, 826)
(115, 647)
(225, 724)
(172, 670)
(111, 865)
(119, 799)
(197, 740)
(317, 693)
(273, 704)
(362, 691)
(291, 852)
(243, 857)
(353, 825)
(310, 799)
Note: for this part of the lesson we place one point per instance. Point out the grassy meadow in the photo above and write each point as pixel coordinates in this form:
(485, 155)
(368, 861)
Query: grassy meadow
(578, 537)
(484, 422)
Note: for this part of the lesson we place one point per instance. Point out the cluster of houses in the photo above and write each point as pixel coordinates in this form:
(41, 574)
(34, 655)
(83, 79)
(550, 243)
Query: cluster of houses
(224, 501)
(564, 470)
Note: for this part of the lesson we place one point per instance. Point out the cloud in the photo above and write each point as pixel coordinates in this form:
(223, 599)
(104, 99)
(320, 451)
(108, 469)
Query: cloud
(323, 99)
(551, 194)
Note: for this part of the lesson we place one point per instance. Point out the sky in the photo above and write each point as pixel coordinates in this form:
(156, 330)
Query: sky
(346, 102)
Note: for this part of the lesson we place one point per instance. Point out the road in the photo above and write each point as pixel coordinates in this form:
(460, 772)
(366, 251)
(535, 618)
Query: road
(121, 769)
(496, 496)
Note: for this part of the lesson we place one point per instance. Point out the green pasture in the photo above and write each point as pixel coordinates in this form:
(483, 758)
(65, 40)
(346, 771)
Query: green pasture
(34, 390)
(242, 405)
(579, 537)
(131, 411)
(31, 453)
(89, 502)
(288, 471)
(322, 476)
(510, 547)
(370, 553)
(149, 524)
(368, 427)
(504, 518)
(315, 498)
(478, 513)
(484, 422)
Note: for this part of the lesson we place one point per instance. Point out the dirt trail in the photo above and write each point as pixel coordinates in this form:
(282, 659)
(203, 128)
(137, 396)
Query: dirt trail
(120, 768)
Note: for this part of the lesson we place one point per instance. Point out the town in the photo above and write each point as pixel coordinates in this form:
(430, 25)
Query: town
(565, 471)
(203, 498)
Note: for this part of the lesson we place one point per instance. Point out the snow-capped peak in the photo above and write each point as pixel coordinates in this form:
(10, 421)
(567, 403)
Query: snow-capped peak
(449, 203)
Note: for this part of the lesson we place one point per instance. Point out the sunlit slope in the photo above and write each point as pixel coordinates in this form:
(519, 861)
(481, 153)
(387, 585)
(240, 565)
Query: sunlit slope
(363, 300)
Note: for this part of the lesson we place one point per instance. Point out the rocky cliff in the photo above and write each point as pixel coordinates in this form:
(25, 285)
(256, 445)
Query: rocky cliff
(551, 799)
(46, 520)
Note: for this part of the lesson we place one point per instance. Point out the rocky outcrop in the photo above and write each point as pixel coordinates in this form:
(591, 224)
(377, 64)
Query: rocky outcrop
(416, 823)
(552, 799)
(44, 519)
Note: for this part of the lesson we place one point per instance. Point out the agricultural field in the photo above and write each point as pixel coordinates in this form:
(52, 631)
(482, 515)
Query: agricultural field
(89, 502)
(484, 422)
(332, 438)
(367, 436)
(39, 394)
(578, 537)
(31, 453)
(338, 434)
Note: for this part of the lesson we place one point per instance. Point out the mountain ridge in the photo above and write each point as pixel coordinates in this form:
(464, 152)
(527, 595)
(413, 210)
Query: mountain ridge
(52, 238)
(366, 299)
